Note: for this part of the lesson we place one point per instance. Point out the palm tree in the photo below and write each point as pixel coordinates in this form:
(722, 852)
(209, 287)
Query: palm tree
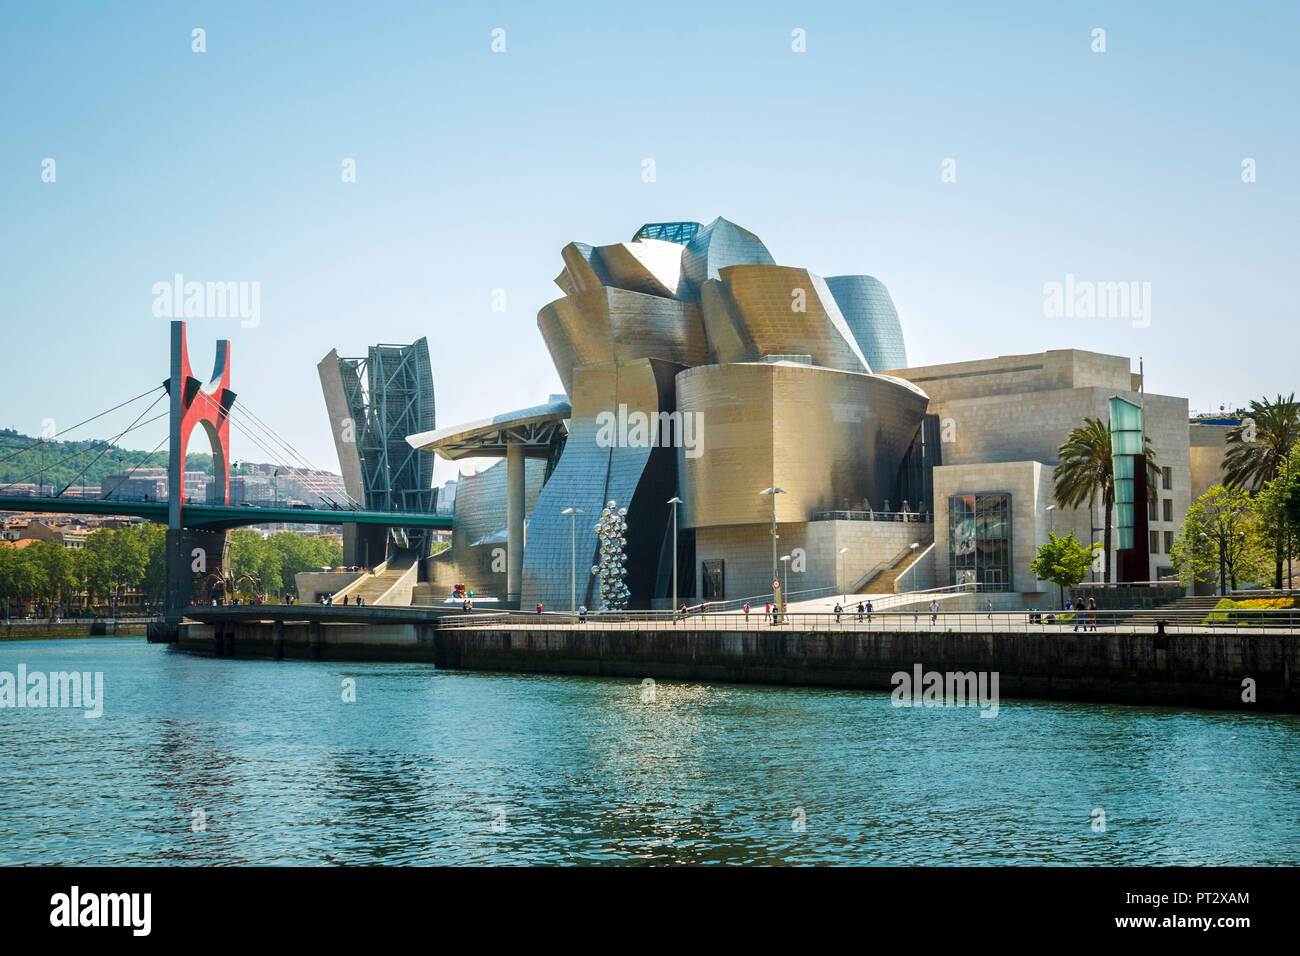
(1086, 473)
(1258, 447)
(1257, 451)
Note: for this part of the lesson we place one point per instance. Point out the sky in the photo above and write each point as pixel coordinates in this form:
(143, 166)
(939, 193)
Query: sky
(966, 155)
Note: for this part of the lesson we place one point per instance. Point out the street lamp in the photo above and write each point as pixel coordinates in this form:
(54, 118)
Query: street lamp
(1051, 530)
(573, 551)
(773, 491)
(840, 575)
(675, 501)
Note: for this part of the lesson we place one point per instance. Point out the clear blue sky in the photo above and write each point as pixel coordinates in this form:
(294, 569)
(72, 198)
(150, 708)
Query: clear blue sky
(474, 168)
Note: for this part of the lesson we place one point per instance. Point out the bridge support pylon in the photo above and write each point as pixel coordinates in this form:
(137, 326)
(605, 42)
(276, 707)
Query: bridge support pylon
(193, 552)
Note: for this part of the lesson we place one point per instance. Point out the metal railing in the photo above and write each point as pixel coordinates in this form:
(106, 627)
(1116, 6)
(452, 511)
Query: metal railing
(899, 585)
(1084, 585)
(808, 594)
(879, 569)
(923, 517)
(920, 620)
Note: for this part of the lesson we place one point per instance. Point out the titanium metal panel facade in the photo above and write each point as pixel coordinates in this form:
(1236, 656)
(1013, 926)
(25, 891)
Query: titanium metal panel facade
(591, 472)
(609, 325)
(702, 327)
(869, 311)
(778, 310)
(829, 438)
(719, 245)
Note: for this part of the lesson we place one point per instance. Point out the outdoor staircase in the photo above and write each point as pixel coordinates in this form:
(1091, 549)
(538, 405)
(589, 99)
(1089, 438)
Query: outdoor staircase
(1188, 610)
(883, 580)
(385, 584)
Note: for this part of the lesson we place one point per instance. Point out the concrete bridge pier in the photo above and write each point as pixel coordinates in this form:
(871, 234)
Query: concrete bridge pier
(223, 642)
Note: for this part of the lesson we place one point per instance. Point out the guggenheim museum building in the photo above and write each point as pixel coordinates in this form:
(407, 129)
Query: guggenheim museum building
(700, 375)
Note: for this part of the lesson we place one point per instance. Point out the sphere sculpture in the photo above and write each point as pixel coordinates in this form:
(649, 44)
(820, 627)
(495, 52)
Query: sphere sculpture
(611, 530)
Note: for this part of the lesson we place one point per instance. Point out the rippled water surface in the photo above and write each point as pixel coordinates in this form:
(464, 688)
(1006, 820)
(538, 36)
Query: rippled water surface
(434, 767)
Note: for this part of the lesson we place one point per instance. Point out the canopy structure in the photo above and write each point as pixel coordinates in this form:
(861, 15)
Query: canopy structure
(527, 433)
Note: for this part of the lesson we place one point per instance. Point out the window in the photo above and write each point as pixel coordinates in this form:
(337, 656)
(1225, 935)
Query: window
(1169, 509)
(1167, 478)
(1151, 511)
(979, 540)
(714, 580)
(1169, 541)
(1155, 541)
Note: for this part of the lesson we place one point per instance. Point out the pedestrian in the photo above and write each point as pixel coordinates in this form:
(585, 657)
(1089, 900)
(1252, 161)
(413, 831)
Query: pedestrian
(870, 607)
(838, 611)
(539, 608)
(582, 614)
(1092, 614)
(934, 611)
(746, 610)
(345, 600)
(989, 603)
(859, 612)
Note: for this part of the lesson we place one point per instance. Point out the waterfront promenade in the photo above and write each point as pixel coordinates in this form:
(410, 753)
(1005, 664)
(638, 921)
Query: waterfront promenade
(1127, 659)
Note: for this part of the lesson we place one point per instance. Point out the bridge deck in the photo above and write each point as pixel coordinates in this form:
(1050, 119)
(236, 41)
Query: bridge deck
(218, 517)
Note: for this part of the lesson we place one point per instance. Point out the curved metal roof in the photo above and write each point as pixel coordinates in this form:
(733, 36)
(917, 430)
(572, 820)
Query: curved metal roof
(533, 427)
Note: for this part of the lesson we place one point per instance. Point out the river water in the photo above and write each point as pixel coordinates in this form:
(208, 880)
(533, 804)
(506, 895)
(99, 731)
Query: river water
(215, 761)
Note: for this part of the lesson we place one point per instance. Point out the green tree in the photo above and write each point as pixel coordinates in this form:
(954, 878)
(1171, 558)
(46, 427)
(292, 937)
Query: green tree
(93, 565)
(1086, 473)
(1222, 535)
(1277, 530)
(1063, 561)
(296, 553)
(153, 538)
(1259, 453)
(17, 580)
(54, 571)
(1258, 446)
(114, 560)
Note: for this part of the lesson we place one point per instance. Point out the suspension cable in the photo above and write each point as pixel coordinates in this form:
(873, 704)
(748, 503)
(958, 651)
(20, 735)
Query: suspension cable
(107, 444)
(114, 440)
(143, 458)
(65, 431)
(259, 433)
